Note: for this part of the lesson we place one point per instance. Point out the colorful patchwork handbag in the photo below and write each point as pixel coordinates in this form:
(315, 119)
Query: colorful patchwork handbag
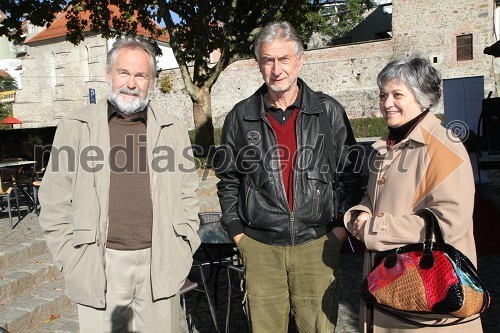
(428, 281)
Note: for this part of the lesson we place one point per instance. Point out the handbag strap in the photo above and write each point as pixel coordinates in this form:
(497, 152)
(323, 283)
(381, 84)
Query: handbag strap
(431, 226)
(420, 324)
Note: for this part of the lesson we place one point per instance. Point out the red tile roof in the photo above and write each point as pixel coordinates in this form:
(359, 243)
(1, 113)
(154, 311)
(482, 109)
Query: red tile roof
(58, 28)
(5, 74)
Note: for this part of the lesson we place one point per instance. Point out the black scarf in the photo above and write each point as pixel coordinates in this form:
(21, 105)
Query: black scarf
(397, 134)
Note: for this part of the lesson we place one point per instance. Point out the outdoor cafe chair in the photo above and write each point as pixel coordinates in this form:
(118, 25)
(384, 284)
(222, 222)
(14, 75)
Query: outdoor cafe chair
(217, 250)
(37, 182)
(239, 271)
(190, 285)
(22, 177)
(7, 195)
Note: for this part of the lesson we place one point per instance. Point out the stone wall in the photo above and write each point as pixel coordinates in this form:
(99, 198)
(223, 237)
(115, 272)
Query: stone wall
(431, 27)
(346, 72)
(57, 78)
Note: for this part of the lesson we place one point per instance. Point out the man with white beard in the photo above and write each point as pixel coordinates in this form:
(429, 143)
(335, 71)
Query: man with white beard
(119, 206)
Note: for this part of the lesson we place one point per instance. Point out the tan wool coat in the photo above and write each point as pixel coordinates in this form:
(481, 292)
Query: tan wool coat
(429, 169)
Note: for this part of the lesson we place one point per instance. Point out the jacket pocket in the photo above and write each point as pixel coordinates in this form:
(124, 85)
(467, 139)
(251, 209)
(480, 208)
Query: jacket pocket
(321, 194)
(83, 236)
(259, 194)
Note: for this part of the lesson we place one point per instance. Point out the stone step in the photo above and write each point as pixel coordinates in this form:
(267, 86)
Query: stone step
(34, 307)
(63, 322)
(209, 204)
(206, 189)
(26, 275)
(26, 248)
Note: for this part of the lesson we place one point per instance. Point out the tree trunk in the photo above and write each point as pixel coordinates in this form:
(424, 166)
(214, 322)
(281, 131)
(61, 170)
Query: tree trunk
(204, 128)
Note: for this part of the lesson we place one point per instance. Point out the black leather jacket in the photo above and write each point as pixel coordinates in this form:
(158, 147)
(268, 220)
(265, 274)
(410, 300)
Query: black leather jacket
(251, 191)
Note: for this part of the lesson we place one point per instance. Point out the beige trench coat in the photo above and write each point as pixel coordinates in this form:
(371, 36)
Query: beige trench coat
(74, 197)
(429, 169)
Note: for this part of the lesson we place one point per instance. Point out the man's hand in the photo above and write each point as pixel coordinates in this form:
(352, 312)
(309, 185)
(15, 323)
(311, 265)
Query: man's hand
(340, 233)
(237, 238)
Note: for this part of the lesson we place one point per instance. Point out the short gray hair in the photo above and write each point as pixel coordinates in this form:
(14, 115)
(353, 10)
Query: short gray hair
(279, 30)
(132, 43)
(417, 73)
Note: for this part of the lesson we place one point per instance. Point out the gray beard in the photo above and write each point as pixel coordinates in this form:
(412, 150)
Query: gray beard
(126, 106)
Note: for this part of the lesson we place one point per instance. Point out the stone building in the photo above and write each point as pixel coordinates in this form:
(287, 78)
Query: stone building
(58, 76)
(452, 33)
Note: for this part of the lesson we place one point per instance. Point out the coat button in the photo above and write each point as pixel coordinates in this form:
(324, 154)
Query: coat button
(380, 214)
(98, 242)
(381, 181)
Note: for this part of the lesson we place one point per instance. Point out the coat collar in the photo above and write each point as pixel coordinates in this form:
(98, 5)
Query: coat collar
(256, 109)
(429, 122)
(98, 113)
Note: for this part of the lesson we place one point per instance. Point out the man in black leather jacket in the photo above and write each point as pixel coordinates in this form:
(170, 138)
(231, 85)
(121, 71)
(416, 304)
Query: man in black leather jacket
(278, 194)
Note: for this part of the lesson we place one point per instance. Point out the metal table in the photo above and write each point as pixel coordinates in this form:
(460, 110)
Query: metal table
(17, 165)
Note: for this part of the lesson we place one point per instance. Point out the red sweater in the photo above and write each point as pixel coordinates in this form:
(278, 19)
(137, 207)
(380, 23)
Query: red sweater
(287, 142)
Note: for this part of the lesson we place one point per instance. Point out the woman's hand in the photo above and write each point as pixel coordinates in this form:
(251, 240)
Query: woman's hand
(357, 226)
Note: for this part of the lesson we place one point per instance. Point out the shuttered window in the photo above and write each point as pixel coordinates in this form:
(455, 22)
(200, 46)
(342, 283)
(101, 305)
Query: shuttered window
(464, 47)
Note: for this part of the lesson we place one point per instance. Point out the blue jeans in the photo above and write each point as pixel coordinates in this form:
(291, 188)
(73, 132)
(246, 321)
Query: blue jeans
(302, 278)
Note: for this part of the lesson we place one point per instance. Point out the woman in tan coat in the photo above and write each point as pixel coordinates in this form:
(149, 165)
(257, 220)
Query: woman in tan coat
(418, 164)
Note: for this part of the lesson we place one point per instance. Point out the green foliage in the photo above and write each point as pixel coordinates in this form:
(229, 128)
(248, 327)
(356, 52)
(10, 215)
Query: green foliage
(7, 83)
(165, 84)
(5, 111)
(350, 15)
(368, 127)
(374, 127)
(440, 116)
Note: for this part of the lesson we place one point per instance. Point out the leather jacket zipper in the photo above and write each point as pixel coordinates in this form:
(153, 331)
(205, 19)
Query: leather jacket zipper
(316, 201)
(295, 181)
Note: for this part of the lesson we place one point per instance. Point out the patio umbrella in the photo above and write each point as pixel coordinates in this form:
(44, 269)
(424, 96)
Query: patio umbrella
(11, 121)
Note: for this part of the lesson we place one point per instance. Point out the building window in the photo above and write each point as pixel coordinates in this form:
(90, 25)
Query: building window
(464, 47)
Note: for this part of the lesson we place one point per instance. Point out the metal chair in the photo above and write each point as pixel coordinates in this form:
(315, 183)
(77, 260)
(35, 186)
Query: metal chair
(217, 250)
(7, 194)
(190, 285)
(240, 271)
(36, 186)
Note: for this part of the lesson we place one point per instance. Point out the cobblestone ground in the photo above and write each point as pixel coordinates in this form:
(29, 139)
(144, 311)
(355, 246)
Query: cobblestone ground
(489, 271)
(348, 311)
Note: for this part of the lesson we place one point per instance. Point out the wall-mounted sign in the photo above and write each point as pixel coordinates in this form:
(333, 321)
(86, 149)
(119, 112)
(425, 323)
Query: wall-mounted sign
(92, 96)
(7, 96)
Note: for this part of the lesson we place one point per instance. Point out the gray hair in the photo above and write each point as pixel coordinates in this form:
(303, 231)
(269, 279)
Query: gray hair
(132, 43)
(279, 30)
(417, 73)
